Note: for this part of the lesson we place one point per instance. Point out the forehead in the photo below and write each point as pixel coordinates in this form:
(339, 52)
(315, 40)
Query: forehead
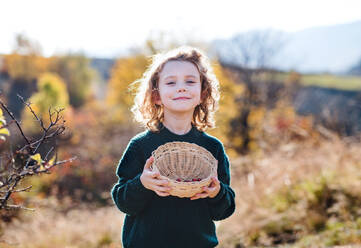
(179, 69)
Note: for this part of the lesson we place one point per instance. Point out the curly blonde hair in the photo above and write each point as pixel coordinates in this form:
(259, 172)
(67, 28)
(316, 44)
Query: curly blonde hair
(151, 115)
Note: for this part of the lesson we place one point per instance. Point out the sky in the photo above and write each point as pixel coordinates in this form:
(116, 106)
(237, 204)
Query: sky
(109, 27)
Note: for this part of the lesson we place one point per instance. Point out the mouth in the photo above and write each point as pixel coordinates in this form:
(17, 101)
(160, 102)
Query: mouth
(181, 98)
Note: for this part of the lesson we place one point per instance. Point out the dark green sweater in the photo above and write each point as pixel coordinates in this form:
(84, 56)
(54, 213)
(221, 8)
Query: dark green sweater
(169, 222)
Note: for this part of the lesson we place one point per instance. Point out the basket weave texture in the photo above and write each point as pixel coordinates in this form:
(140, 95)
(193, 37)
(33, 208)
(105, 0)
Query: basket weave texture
(187, 166)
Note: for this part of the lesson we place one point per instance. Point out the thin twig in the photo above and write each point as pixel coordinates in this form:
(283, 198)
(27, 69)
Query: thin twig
(17, 123)
(32, 111)
(19, 190)
(9, 207)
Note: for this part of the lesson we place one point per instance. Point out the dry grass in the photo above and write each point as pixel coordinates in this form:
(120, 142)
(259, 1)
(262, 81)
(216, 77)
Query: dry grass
(256, 178)
(50, 227)
(253, 179)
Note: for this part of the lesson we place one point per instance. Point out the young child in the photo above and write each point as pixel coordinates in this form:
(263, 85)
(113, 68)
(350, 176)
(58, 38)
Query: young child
(176, 101)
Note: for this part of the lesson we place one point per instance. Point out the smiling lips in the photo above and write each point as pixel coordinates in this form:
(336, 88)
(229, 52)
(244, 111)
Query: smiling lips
(181, 98)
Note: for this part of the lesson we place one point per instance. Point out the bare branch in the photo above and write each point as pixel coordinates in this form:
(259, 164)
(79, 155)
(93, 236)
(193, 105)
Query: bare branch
(19, 190)
(9, 207)
(32, 111)
(17, 123)
(13, 173)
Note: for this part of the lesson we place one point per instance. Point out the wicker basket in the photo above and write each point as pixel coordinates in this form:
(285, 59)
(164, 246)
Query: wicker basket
(187, 166)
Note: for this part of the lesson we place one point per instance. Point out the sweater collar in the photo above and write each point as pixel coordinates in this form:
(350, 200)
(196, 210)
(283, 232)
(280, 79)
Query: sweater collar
(164, 130)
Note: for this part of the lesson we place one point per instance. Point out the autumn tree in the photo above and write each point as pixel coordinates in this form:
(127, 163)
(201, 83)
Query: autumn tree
(120, 96)
(51, 93)
(228, 109)
(250, 56)
(23, 66)
(25, 63)
(76, 72)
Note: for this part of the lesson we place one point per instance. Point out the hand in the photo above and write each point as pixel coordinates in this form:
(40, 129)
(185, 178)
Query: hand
(151, 180)
(211, 191)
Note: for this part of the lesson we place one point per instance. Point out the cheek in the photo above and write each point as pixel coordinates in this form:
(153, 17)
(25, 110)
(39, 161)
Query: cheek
(198, 92)
(166, 94)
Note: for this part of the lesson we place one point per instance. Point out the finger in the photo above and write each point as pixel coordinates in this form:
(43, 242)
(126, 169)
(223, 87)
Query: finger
(161, 182)
(157, 182)
(161, 188)
(204, 195)
(195, 197)
(161, 193)
(214, 182)
(210, 191)
(200, 195)
(206, 189)
(215, 179)
(151, 174)
(149, 162)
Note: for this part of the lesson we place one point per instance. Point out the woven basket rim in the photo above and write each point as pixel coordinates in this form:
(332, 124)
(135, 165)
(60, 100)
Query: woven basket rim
(197, 147)
(186, 143)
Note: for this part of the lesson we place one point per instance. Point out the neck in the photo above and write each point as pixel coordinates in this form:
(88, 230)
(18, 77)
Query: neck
(178, 124)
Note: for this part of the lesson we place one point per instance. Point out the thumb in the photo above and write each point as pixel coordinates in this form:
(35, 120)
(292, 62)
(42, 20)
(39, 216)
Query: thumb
(149, 162)
(215, 181)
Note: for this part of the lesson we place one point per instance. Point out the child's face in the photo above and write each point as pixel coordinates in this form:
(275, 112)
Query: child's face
(179, 87)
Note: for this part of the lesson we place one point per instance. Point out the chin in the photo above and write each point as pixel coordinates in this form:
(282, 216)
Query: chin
(182, 110)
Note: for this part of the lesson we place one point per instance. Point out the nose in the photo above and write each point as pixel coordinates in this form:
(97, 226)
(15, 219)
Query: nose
(181, 88)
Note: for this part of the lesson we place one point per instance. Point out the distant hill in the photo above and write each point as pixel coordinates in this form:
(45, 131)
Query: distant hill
(356, 70)
(332, 49)
(333, 108)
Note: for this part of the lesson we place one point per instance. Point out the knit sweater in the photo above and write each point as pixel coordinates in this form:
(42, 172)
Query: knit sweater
(169, 222)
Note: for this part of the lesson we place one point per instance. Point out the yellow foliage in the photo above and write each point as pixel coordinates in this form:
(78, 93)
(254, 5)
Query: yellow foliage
(52, 93)
(25, 67)
(119, 97)
(228, 108)
(37, 158)
(52, 160)
(256, 116)
(282, 124)
(237, 141)
(3, 131)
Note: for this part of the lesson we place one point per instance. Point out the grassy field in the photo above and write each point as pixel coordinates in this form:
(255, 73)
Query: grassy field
(332, 81)
(327, 81)
(342, 82)
(270, 189)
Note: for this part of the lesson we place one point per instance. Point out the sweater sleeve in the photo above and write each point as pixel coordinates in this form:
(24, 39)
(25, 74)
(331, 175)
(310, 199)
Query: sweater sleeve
(222, 205)
(129, 194)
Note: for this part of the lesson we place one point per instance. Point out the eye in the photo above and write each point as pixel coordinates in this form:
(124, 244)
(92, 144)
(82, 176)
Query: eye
(169, 83)
(192, 82)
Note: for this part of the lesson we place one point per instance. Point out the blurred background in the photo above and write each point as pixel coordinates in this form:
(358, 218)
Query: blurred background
(289, 116)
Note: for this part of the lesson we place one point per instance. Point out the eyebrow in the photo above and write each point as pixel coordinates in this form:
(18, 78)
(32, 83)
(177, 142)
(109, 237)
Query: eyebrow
(184, 76)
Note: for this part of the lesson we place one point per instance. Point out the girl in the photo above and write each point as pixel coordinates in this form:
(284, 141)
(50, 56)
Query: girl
(176, 100)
